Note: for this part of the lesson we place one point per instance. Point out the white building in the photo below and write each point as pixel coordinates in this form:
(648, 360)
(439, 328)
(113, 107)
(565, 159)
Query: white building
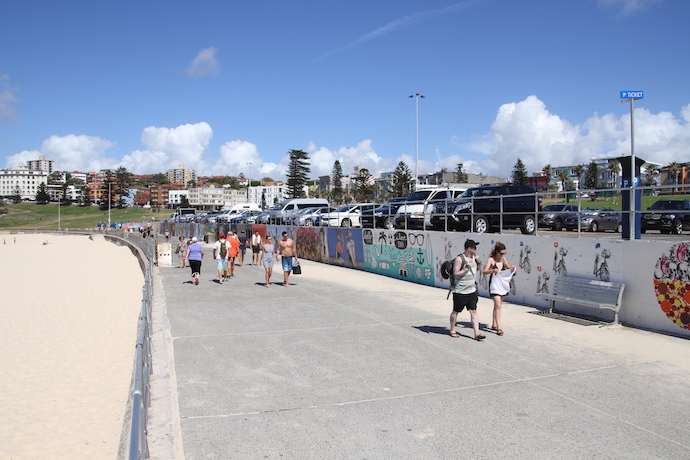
(215, 197)
(42, 164)
(272, 193)
(22, 180)
(175, 197)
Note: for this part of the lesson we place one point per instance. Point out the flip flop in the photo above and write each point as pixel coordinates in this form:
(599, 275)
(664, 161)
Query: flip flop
(480, 337)
(499, 331)
(455, 335)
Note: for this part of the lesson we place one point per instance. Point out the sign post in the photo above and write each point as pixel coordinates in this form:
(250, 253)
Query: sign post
(625, 97)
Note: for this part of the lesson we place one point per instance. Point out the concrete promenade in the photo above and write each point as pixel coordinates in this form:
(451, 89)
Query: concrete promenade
(351, 365)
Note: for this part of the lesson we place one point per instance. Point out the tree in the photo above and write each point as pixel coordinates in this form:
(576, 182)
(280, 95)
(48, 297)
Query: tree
(298, 169)
(122, 177)
(108, 189)
(184, 202)
(42, 195)
(519, 175)
(16, 196)
(673, 171)
(615, 168)
(64, 199)
(402, 180)
(160, 179)
(579, 171)
(85, 196)
(337, 189)
(460, 175)
(364, 186)
(548, 172)
(592, 176)
(564, 178)
(263, 199)
(652, 170)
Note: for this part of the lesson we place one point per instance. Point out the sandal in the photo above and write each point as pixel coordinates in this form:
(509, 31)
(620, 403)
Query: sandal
(455, 335)
(480, 337)
(499, 331)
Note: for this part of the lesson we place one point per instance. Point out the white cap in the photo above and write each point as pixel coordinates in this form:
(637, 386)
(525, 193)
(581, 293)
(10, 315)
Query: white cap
(194, 240)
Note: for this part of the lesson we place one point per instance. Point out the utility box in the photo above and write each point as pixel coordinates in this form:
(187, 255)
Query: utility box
(163, 254)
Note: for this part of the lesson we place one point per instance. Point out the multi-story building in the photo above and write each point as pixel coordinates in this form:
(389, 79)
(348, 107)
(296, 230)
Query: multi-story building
(21, 181)
(213, 196)
(160, 194)
(181, 175)
(42, 164)
(272, 194)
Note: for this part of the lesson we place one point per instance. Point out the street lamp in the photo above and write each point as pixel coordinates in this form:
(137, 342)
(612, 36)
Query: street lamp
(249, 181)
(416, 148)
(108, 229)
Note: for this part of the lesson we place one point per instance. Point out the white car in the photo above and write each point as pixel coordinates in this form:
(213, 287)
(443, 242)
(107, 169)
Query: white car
(347, 216)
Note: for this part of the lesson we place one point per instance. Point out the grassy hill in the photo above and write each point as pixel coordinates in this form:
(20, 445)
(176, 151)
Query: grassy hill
(45, 216)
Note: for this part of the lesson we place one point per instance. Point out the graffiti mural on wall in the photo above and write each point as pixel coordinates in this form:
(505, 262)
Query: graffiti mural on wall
(671, 284)
(312, 243)
(401, 254)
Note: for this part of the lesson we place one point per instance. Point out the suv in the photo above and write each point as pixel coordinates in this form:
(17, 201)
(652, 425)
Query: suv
(482, 209)
(553, 215)
(668, 216)
(347, 216)
(416, 211)
(383, 216)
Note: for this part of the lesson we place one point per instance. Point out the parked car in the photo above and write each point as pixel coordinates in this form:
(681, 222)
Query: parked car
(553, 215)
(261, 218)
(383, 216)
(595, 220)
(281, 212)
(484, 209)
(416, 211)
(346, 216)
(667, 216)
(310, 216)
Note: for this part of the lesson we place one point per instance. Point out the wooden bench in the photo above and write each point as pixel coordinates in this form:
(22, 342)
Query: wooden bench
(591, 293)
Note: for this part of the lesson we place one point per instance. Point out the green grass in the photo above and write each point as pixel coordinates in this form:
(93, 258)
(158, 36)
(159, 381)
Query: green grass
(615, 202)
(45, 216)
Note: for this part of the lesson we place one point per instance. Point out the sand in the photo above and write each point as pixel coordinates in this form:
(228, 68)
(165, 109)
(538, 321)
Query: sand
(70, 312)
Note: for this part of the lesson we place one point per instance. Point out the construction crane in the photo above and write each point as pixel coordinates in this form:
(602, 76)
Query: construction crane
(440, 165)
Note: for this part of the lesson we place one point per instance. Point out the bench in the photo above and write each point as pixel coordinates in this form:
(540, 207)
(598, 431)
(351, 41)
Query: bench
(591, 293)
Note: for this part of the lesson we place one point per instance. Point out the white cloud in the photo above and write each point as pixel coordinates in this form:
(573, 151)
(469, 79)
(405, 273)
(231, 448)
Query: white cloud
(527, 130)
(242, 157)
(205, 63)
(70, 153)
(322, 159)
(166, 148)
(628, 7)
(8, 100)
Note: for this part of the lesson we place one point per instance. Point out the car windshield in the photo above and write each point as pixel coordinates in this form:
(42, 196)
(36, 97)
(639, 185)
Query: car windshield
(419, 196)
(477, 192)
(347, 208)
(669, 205)
(554, 207)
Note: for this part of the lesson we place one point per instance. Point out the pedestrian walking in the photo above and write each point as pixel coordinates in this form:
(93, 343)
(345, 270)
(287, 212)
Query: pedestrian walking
(256, 247)
(269, 255)
(243, 247)
(464, 288)
(181, 251)
(220, 254)
(286, 248)
(195, 254)
(499, 282)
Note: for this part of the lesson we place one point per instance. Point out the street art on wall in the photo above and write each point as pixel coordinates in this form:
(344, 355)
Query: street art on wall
(399, 253)
(671, 278)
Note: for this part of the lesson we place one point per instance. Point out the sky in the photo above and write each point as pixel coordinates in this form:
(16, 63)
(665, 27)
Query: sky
(230, 87)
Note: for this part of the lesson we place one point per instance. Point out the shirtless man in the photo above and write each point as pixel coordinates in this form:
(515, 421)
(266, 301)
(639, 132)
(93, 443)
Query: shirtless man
(286, 247)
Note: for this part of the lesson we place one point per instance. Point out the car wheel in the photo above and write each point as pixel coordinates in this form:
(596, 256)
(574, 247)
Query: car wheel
(345, 223)
(308, 223)
(528, 225)
(481, 224)
(677, 228)
(557, 225)
(594, 227)
(389, 223)
(619, 228)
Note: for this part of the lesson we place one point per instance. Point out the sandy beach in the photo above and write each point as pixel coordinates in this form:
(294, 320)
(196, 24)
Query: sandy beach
(69, 323)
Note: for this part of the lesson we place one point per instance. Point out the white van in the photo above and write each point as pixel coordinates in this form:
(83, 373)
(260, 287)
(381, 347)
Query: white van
(415, 211)
(278, 213)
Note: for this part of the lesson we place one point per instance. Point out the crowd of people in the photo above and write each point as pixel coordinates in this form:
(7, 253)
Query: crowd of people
(229, 251)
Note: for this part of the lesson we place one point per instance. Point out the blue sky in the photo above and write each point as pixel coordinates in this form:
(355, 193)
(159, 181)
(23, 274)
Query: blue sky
(229, 87)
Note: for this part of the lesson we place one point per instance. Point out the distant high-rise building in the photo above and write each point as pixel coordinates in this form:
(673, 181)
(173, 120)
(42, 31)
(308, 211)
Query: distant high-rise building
(42, 164)
(181, 175)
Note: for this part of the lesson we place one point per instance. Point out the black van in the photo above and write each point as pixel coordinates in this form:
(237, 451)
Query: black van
(484, 209)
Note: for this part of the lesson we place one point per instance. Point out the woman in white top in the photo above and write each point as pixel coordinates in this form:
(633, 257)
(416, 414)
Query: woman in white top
(499, 285)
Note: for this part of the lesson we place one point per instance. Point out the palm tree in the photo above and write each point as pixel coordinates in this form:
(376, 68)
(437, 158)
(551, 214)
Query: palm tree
(548, 172)
(651, 170)
(615, 168)
(563, 177)
(673, 170)
(579, 170)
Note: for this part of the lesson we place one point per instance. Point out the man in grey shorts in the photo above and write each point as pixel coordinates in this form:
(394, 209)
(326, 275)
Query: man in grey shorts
(464, 288)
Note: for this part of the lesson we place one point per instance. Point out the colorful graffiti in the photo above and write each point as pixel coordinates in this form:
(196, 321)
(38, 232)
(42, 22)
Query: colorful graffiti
(401, 254)
(671, 284)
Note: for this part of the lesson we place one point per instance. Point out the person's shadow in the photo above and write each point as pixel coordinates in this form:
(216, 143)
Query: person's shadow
(445, 331)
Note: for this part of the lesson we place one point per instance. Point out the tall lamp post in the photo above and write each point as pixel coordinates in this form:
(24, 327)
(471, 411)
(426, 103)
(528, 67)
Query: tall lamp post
(416, 148)
(249, 181)
(108, 229)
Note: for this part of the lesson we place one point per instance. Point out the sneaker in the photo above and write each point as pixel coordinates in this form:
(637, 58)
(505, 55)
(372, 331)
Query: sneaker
(221, 281)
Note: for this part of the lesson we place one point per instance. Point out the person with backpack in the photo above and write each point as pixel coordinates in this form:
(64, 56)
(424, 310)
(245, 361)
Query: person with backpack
(220, 253)
(464, 288)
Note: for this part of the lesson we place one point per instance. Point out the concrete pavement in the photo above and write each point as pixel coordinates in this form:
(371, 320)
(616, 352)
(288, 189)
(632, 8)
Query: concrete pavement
(347, 364)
